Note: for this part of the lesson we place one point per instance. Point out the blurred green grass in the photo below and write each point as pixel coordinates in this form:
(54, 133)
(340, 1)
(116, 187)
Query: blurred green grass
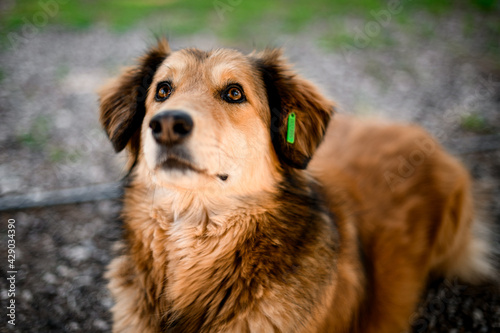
(476, 123)
(228, 18)
(38, 135)
(251, 21)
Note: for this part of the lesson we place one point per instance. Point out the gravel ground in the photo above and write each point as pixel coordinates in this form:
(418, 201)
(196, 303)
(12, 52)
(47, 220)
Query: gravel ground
(50, 139)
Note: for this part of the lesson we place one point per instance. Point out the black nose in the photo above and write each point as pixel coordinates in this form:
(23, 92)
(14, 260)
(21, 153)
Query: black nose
(171, 127)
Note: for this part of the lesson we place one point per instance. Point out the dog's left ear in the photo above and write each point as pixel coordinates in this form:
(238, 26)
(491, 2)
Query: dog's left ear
(288, 93)
(122, 102)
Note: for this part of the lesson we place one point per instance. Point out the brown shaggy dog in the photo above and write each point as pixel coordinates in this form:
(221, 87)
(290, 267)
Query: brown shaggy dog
(232, 228)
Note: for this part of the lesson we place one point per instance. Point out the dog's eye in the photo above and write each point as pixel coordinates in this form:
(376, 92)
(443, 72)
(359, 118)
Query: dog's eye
(233, 94)
(163, 91)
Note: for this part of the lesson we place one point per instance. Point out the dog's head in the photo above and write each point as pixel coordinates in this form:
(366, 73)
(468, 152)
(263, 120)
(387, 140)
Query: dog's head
(217, 119)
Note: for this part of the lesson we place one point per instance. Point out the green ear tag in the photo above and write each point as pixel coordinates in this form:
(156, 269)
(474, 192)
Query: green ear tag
(290, 134)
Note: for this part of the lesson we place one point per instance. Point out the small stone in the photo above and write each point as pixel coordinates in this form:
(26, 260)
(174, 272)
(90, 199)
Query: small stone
(73, 326)
(101, 324)
(78, 253)
(478, 315)
(27, 295)
(49, 278)
(64, 271)
(83, 281)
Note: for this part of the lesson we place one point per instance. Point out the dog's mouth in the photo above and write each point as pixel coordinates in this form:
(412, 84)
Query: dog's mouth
(181, 161)
(175, 162)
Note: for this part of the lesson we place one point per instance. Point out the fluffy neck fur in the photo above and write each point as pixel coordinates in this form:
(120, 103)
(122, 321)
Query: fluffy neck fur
(218, 255)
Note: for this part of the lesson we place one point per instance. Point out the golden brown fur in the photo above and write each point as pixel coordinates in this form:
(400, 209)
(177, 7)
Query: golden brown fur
(252, 235)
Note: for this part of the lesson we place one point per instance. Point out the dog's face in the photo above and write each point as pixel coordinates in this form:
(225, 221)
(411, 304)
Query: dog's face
(205, 121)
(213, 120)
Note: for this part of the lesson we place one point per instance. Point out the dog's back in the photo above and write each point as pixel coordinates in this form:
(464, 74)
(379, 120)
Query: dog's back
(414, 212)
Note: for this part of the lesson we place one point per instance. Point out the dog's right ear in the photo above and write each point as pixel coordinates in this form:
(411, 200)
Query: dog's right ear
(122, 102)
(287, 94)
